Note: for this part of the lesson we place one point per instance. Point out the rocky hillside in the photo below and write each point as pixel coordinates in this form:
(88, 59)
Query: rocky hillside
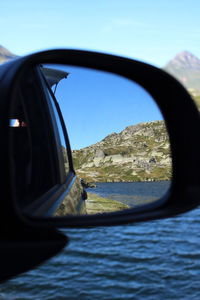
(5, 54)
(139, 152)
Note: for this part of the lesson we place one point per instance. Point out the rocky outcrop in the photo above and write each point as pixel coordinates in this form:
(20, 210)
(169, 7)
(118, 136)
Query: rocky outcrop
(139, 152)
(87, 184)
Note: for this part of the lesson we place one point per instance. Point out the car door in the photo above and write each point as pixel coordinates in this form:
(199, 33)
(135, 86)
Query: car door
(44, 176)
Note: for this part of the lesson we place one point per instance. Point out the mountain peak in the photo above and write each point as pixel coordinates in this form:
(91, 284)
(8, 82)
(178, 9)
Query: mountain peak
(185, 60)
(5, 54)
(185, 53)
(186, 68)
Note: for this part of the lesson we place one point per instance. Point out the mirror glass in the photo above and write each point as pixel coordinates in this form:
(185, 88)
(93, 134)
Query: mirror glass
(120, 146)
(119, 142)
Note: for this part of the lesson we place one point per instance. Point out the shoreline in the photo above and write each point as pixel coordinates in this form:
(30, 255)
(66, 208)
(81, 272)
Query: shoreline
(96, 204)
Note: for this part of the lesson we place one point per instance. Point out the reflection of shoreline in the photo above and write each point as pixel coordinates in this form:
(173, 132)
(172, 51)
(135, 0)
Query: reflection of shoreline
(96, 204)
(130, 201)
(152, 180)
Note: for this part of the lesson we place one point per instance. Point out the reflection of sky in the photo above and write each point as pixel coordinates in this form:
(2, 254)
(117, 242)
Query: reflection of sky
(59, 126)
(95, 104)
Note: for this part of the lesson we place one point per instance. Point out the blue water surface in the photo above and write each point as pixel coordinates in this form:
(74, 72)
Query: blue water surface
(151, 260)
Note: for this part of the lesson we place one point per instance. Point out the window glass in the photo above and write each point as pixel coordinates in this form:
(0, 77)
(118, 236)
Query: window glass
(34, 159)
(62, 142)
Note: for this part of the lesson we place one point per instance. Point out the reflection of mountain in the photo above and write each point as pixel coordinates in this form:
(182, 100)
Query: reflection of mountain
(5, 54)
(186, 68)
(139, 152)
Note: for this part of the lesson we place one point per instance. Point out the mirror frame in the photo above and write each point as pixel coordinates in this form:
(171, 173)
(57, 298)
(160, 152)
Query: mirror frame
(181, 118)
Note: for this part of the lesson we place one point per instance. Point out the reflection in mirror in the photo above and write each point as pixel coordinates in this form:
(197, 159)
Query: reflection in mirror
(119, 142)
(120, 146)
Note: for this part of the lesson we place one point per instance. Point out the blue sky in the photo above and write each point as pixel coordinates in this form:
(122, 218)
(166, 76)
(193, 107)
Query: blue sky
(95, 104)
(149, 30)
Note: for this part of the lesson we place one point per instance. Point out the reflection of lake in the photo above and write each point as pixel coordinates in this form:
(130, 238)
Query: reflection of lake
(132, 193)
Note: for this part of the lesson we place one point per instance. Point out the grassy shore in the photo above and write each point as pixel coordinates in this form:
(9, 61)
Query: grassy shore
(98, 205)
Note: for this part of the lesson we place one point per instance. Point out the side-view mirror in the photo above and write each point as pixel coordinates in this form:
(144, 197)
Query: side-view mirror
(133, 130)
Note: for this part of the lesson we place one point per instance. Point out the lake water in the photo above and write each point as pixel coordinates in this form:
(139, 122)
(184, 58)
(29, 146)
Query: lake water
(152, 260)
(132, 193)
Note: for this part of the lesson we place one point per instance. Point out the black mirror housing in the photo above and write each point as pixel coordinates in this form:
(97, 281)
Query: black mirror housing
(182, 121)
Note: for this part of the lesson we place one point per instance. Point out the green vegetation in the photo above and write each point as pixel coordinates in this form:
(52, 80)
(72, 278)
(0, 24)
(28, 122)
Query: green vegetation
(138, 153)
(81, 158)
(98, 205)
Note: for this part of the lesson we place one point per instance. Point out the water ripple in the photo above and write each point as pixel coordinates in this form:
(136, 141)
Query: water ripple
(152, 260)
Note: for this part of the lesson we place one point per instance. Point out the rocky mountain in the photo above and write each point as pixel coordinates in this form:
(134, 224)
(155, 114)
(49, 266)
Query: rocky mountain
(5, 54)
(186, 68)
(139, 152)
